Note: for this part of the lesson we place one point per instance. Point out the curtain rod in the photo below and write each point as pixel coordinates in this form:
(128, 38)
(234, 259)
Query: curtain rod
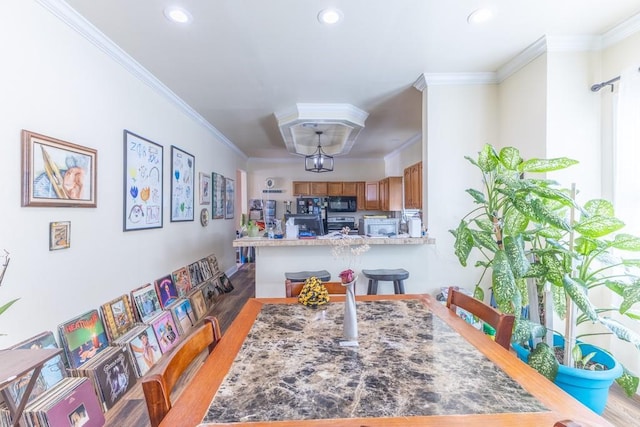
(596, 87)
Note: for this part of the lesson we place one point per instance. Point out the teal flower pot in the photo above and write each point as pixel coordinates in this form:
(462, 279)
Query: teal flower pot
(591, 388)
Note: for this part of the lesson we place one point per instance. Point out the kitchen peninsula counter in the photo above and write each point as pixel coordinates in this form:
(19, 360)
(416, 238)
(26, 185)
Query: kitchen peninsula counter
(274, 257)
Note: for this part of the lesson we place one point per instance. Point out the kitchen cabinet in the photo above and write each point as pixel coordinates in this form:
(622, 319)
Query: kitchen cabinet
(335, 188)
(318, 188)
(360, 194)
(371, 198)
(301, 188)
(349, 189)
(413, 186)
(390, 193)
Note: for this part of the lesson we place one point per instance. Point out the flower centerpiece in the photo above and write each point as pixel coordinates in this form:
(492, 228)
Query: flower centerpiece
(313, 293)
(343, 248)
(347, 276)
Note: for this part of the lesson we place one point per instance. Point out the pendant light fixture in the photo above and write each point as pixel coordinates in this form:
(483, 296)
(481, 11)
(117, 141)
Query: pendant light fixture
(319, 161)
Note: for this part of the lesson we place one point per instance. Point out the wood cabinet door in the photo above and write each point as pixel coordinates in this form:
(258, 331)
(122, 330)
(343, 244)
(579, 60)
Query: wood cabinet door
(301, 188)
(416, 186)
(361, 196)
(407, 188)
(318, 188)
(383, 194)
(393, 190)
(335, 188)
(350, 189)
(371, 201)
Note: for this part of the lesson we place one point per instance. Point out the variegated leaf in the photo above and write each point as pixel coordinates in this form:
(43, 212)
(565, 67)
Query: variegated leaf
(514, 222)
(514, 248)
(478, 196)
(631, 262)
(484, 224)
(598, 226)
(504, 286)
(478, 293)
(558, 196)
(631, 296)
(510, 158)
(463, 243)
(626, 242)
(4, 307)
(521, 284)
(559, 301)
(628, 382)
(473, 162)
(484, 239)
(555, 270)
(621, 331)
(599, 207)
(579, 295)
(543, 360)
(584, 246)
(546, 216)
(546, 165)
(487, 159)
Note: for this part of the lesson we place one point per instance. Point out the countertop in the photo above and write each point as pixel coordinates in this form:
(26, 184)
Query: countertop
(328, 240)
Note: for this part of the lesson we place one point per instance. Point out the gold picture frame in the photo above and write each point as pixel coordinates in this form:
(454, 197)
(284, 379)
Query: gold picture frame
(59, 235)
(57, 173)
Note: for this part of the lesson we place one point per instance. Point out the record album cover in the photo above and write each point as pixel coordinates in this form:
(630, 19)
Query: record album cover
(83, 337)
(165, 330)
(167, 292)
(115, 377)
(145, 350)
(145, 299)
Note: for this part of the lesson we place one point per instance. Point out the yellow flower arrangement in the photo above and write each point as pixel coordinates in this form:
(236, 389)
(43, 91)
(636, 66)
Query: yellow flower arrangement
(313, 293)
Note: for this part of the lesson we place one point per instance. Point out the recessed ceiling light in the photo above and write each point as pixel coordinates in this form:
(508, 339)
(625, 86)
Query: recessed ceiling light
(329, 16)
(177, 14)
(479, 16)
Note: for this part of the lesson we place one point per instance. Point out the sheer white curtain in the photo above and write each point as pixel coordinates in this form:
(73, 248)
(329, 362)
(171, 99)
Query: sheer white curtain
(627, 151)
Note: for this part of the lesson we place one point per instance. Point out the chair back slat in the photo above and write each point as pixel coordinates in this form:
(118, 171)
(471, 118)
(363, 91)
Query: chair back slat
(502, 323)
(157, 388)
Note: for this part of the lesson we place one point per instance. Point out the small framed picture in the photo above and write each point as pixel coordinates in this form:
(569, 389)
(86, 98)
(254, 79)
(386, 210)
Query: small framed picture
(57, 173)
(205, 189)
(182, 185)
(59, 235)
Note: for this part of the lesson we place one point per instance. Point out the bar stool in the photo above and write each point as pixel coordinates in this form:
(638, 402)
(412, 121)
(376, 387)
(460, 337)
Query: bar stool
(301, 276)
(386, 275)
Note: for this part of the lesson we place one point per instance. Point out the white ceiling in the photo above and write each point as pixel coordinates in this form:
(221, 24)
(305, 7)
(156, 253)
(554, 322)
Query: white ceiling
(241, 61)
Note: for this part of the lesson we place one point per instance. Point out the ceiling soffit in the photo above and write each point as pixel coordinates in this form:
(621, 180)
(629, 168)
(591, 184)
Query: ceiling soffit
(340, 125)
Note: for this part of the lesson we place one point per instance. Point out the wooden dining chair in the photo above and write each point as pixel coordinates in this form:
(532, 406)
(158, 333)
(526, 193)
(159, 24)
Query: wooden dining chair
(334, 288)
(567, 423)
(502, 323)
(157, 387)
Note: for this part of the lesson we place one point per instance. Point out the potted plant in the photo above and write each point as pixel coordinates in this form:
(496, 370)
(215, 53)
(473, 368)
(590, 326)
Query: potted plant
(3, 267)
(531, 233)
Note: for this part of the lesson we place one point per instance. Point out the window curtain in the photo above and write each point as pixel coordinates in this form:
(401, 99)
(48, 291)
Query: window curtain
(627, 151)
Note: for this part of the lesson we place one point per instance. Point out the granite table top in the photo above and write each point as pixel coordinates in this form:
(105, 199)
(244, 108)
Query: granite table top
(408, 363)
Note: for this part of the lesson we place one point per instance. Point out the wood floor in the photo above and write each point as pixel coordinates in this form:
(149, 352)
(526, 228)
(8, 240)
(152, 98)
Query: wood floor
(131, 411)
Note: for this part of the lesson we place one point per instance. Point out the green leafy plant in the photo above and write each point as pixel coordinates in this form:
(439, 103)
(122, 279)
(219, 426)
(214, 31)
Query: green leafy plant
(5, 263)
(529, 230)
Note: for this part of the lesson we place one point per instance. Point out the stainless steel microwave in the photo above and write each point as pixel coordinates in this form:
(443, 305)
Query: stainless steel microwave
(342, 204)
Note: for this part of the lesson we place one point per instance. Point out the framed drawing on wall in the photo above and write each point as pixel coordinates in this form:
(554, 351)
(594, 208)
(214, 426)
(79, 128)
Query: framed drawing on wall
(59, 235)
(205, 188)
(57, 173)
(217, 208)
(229, 198)
(142, 183)
(182, 185)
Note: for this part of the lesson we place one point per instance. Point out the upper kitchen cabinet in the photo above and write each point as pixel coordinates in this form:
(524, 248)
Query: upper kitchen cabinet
(349, 189)
(360, 194)
(334, 188)
(390, 193)
(371, 198)
(413, 186)
(319, 188)
(301, 188)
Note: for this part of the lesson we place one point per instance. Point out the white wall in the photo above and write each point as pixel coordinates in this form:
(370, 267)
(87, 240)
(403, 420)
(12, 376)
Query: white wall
(55, 82)
(461, 119)
(522, 105)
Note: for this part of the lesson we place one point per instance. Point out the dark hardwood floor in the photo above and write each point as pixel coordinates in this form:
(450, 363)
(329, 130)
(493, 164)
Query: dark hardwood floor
(131, 411)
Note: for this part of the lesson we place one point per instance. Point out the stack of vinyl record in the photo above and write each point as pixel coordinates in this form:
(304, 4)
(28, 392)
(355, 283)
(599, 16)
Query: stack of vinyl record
(71, 402)
(111, 373)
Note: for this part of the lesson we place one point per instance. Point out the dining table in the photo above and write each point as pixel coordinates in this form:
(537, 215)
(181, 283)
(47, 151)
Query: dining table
(414, 362)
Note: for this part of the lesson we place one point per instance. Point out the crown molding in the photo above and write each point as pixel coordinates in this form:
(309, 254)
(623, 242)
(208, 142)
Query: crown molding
(621, 31)
(65, 13)
(437, 79)
(420, 83)
(573, 43)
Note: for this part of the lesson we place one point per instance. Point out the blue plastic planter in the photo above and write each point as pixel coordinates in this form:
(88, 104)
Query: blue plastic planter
(591, 388)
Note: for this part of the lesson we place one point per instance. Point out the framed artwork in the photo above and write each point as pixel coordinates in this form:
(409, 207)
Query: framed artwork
(167, 292)
(217, 208)
(57, 173)
(143, 160)
(182, 185)
(198, 304)
(165, 330)
(229, 198)
(59, 235)
(146, 301)
(205, 188)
